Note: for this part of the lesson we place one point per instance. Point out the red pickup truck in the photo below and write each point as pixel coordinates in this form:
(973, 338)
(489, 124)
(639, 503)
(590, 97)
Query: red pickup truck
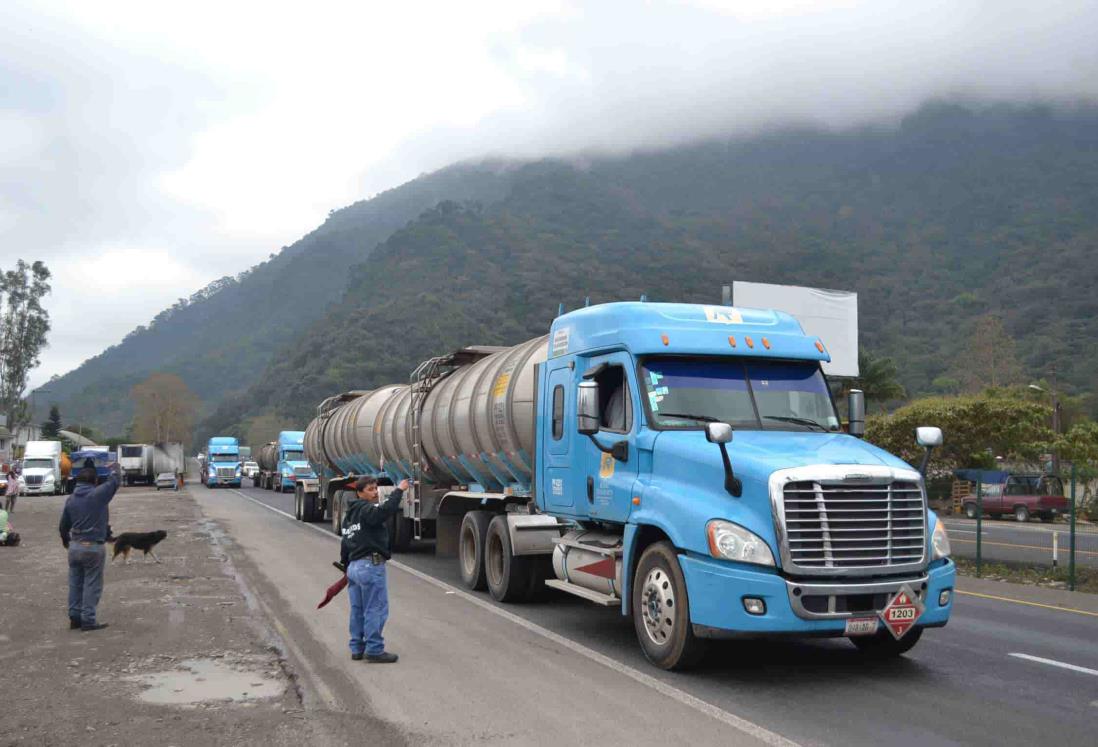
(1022, 496)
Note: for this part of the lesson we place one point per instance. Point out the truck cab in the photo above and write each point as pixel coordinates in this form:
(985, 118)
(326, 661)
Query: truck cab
(223, 466)
(100, 455)
(42, 468)
(292, 465)
(699, 453)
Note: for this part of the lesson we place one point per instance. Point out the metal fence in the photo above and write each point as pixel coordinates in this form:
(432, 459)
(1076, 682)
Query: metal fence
(988, 524)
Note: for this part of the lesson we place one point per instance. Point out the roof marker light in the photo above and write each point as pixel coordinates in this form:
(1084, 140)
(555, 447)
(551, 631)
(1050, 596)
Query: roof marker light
(665, 339)
(750, 342)
(766, 343)
(732, 341)
(819, 346)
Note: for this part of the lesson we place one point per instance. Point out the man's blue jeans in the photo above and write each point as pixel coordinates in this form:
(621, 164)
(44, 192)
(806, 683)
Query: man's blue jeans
(369, 606)
(85, 581)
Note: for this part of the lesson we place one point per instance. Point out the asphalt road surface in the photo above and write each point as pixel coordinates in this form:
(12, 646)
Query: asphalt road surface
(1001, 672)
(1032, 542)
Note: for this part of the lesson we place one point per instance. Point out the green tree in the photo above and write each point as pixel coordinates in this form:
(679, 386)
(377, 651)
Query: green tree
(263, 429)
(52, 425)
(975, 429)
(24, 324)
(879, 379)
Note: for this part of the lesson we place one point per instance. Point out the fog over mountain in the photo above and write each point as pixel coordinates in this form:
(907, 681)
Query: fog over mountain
(146, 150)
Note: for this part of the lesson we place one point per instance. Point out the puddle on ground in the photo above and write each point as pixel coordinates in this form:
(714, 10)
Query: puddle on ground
(203, 680)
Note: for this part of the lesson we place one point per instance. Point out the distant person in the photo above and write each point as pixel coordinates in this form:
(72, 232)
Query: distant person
(364, 552)
(85, 526)
(8, 536)
(11, 491)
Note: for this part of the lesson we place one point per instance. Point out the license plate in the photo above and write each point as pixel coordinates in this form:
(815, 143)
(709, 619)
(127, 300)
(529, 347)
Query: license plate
(861, 626)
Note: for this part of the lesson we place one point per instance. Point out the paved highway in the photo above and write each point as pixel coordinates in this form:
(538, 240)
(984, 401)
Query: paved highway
(1022, 543)
(1001, 672)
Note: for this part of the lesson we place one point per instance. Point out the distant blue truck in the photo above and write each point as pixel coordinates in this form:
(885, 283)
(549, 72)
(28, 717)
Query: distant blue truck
(685, 464)
(223, 465)
(282, 463)
(100, 455)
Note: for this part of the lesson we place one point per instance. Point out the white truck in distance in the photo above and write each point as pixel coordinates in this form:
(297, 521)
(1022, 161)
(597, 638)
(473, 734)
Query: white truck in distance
(42, 468)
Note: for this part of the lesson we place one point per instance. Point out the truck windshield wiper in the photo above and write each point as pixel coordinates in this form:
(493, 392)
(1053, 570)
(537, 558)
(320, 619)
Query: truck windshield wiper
(702, 418)
(798, 421)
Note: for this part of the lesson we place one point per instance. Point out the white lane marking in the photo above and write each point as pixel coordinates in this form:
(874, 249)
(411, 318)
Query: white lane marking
(747, 727)
(1054, 663)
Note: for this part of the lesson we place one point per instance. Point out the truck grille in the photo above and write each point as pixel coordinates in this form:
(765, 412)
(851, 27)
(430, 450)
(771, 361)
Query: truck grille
(303, 472)
(836, 526)
(34, 479)
(226, 471)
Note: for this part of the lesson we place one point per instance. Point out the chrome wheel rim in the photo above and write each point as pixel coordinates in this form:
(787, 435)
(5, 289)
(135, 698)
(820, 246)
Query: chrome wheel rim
(658, 606)
(468, 553)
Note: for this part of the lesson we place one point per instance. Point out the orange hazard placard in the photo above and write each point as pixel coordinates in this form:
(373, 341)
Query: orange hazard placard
(902, 611)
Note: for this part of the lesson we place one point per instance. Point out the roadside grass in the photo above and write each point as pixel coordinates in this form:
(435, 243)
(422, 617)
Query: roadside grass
(1086, 579)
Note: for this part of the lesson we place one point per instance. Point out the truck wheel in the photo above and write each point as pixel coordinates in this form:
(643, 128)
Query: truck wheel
(309, 506)
(884, 646)
(1021, 513)
(474, 527)
(400, 533)
(337, 512)
(508, 576)
(299, 505)
(970, 510)
(661, 610)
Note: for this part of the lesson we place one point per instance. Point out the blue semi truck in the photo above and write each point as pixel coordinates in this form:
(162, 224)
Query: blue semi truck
(222, 463)
(282, 463)
(682, 463)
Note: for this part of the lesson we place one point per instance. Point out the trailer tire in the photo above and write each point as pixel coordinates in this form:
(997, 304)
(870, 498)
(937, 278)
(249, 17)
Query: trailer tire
(299, 505)
(474, 527)
(337, 512)
(308, 505)
(509, 577)
(401, 530)
(661, 610)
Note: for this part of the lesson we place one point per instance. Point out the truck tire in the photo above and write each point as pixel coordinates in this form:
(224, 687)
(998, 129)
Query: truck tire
(276, 483)
(970, 510)
(299, 504)
(508, 577)
(308, 506)
(661, 610)
(474, 527)
(884, 646)
(337, 512)
(1021, 513)
(401, 530)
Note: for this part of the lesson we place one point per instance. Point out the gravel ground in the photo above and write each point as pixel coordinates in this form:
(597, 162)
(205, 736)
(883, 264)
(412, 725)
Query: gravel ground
(187, 659)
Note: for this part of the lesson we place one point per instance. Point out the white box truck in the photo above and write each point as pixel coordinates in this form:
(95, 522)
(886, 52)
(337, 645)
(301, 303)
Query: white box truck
(42, 468)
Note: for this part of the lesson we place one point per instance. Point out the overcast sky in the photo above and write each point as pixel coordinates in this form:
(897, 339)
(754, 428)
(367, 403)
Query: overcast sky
(147, 148)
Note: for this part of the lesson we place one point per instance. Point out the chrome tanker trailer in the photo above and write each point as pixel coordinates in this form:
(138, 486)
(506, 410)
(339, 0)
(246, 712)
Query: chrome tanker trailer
(267, 459)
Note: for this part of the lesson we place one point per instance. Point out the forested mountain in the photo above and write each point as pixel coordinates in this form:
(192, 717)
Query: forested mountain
(221, 338)
(954, 214)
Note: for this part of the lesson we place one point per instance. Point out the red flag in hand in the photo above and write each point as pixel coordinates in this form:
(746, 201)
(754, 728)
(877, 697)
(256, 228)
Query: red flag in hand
(332, 591)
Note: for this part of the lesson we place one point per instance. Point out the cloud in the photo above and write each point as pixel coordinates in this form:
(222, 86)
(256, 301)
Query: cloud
(212, 133)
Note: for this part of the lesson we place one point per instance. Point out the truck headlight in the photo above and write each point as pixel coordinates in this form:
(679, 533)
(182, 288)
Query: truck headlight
(939, 541)
(730, 541)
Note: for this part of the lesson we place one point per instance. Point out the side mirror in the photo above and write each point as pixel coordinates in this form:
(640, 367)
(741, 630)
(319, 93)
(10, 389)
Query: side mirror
(718, 433)
(587, 408)
(928, 436)
(855, 406)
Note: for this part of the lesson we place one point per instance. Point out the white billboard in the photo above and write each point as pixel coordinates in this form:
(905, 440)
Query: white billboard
(831, 315)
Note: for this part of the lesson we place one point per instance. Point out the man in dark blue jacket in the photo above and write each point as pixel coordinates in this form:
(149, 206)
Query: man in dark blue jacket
(84, 527)
(363, 552)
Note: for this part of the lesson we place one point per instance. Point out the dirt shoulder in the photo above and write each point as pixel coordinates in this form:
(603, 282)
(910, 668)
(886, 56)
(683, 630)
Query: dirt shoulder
(188, 658)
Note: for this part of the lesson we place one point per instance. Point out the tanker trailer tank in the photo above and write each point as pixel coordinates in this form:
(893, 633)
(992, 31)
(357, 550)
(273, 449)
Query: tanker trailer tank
(267, 459)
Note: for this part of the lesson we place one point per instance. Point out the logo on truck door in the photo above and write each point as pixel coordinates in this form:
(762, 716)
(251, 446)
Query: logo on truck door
(606, 466)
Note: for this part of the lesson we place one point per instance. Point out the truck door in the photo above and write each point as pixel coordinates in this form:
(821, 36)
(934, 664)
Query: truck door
(608, 482)
(559, 485)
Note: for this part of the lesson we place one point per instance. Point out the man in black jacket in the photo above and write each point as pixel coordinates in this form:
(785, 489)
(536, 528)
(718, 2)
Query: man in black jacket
(363, 552)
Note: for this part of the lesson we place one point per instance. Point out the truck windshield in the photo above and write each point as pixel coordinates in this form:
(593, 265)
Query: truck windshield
(131, 451)
(746, 394)
(293, 456)
(37, 464)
